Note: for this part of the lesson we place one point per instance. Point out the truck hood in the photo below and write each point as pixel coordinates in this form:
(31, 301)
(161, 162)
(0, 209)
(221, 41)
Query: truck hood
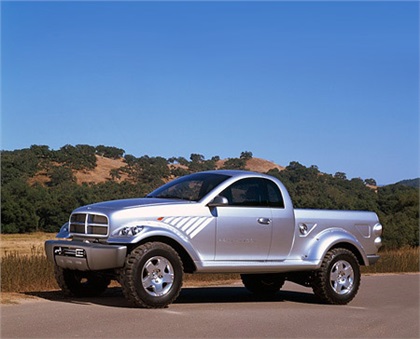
(128, 203)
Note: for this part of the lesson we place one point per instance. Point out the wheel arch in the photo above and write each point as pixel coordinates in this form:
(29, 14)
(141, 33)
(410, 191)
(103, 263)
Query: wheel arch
(187, 261)
(352, 249)
(337, 239)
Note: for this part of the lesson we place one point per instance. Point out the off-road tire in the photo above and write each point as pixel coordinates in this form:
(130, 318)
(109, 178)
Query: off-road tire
(81, 283)
(338, 279)
(152, 275)
(263, 284)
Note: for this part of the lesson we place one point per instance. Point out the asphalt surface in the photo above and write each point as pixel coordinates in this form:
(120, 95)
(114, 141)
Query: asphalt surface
(387, 306)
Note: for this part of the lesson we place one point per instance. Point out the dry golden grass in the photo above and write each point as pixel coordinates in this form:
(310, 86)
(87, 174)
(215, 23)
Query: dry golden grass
(262, 165)
(27, 273)
(23, 244)
(396, 261)
(102, 171)
(104, 165)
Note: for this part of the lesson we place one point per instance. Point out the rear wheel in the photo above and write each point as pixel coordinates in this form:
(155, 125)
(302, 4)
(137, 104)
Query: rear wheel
(81, 283)
(263, 284)
(338, 279)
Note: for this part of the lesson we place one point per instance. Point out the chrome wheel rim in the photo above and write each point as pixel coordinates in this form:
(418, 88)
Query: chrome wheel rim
(157, 276)
(342, 277)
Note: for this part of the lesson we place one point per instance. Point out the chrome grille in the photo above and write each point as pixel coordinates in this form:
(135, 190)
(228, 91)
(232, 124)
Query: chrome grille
(89, 224)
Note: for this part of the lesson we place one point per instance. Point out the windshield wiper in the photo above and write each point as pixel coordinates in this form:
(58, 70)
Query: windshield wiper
(167, 197)
(174, 197)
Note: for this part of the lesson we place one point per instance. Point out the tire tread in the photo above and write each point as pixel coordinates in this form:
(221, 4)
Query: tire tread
(321, 282)
(128, 281)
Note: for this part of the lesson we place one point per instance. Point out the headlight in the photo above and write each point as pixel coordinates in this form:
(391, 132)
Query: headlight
(65, 227)
(377, 230)
(64, 232)
(130, 231)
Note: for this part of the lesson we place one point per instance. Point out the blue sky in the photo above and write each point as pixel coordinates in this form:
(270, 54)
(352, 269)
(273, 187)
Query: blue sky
(332, 84)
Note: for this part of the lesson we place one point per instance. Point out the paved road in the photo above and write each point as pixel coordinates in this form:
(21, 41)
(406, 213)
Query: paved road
(387, 306)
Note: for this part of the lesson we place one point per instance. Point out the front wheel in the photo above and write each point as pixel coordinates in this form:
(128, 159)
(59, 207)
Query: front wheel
(152, 275)
(338, 279)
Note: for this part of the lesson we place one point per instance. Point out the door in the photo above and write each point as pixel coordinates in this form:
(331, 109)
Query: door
(244, 227)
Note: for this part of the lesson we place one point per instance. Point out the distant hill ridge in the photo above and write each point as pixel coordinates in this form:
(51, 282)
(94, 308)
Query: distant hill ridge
(410, 183)
(104, 166)
(99, 164)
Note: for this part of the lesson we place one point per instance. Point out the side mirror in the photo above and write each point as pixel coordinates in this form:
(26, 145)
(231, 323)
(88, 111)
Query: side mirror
(218, 201)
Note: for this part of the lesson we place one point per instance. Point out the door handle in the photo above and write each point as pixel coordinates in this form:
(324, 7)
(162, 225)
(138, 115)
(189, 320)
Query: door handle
(264, 221)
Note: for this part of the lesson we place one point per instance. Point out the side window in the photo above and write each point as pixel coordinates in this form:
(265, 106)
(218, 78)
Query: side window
(275, 199)
(245, 192)
(254, 192)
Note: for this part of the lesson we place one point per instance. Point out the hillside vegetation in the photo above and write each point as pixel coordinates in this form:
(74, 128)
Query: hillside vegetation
(411, 182)
(40, 186)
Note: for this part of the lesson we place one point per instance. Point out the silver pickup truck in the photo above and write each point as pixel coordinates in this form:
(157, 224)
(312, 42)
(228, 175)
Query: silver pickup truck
(213, 222)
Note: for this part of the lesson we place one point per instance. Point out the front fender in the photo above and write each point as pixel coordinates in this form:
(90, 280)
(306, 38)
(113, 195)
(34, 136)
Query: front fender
(157, 230)
(330, 238)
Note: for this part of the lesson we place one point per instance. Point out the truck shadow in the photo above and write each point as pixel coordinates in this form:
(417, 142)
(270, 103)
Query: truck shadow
(114, 297)
(204, 295)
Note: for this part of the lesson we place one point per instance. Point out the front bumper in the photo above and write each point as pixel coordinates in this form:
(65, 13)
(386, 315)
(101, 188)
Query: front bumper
(82, 256)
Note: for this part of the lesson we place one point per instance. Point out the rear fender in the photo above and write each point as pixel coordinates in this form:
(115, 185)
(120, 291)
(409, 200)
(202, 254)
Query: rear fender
(333, 238)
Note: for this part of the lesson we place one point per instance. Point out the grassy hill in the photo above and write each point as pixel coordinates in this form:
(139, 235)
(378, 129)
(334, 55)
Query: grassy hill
(102, 171)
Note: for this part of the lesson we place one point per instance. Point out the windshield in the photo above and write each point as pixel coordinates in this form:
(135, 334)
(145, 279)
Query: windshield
(191, 187)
